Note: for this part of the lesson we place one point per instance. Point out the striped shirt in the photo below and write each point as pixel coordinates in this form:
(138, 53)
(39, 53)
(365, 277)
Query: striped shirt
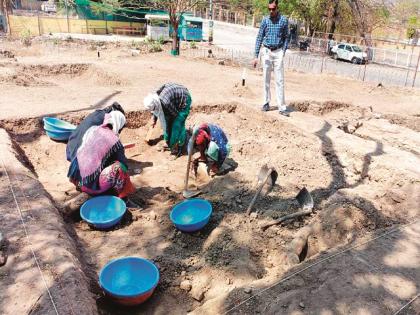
(173, 97)
(273, 33)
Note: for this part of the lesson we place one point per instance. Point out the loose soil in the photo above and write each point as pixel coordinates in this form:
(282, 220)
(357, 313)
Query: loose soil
(360, 166)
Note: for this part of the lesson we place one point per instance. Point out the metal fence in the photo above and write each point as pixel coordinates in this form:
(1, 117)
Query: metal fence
(307, 63)
(390, 57)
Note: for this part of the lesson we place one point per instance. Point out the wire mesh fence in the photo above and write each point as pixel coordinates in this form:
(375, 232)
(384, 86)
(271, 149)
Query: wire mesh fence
(309, 63)
(391, 57)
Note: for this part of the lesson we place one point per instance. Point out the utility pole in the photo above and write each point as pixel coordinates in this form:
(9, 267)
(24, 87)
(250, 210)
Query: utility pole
(211, 23)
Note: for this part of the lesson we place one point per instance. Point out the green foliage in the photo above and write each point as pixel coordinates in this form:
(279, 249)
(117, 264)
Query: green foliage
(25, 37)
(193, 45)
(412, 25)
(155, 46)
(161, 40)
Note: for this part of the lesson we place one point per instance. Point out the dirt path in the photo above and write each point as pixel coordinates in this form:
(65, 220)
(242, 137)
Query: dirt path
(32, 86)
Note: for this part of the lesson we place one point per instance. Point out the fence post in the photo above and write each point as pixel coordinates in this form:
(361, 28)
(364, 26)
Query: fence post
(39, 26)
(408, 65)
(364, 70)
(322, 64)
(415, 71)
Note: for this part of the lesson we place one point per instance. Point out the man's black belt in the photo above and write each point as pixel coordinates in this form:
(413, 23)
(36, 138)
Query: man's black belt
(273, 47)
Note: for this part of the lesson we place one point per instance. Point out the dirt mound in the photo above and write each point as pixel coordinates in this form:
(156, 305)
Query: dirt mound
(7, 54)
(103, 78)
(72, 69)
(411, 122)
(243, 91)
(317, 108)
(24, 79)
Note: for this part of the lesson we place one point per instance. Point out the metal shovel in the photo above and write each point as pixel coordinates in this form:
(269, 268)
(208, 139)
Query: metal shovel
(189, 193)
(305, 199)
(265, 175)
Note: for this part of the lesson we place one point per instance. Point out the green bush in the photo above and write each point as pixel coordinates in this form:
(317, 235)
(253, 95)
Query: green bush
(155, 47)
(193, 45)
(161, 40)
(25, 37)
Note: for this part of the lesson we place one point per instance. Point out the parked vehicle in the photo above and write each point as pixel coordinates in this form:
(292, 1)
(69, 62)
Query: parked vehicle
(304, 45)
(349, 52)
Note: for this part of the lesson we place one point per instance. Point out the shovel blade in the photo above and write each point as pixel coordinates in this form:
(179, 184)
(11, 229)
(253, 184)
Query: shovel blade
(190, 193)
(271, 181)
(305, 199)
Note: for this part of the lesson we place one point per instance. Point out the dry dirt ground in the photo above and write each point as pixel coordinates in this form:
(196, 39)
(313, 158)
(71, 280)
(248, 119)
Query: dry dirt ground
(355, 147)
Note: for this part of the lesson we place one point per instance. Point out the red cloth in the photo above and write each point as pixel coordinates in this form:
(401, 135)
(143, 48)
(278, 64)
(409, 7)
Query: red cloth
(202, 138)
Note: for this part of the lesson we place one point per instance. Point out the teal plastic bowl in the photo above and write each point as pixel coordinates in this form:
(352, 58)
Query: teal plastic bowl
(103, 212)
(129, 280)
(55, 124)
(191, 215)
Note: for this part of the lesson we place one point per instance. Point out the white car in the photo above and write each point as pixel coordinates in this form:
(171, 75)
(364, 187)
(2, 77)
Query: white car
(352, 53)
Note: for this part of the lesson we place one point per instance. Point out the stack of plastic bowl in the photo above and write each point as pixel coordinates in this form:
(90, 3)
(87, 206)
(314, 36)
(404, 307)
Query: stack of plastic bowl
(191, 215)
(129, 280)
(58, 129)
(103, 212)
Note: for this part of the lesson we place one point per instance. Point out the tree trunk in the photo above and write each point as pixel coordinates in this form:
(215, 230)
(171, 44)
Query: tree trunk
(6, 9)
(175, 39)
(334, 18)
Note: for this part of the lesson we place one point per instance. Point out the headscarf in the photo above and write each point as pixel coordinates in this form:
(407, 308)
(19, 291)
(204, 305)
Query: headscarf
(202, 137)
(98, 144)
(114, 106)
(152, 103)
(116, 119)
(213, 151)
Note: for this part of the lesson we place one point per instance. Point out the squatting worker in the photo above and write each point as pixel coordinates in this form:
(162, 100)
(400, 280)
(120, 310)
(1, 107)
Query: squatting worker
(95, 118)
(171, 104)
(100, 165)
(213, 145)
(273, 36)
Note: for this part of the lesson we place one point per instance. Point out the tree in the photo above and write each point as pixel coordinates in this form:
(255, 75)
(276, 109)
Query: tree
(368, 15)
(6, 9)
(175, 9)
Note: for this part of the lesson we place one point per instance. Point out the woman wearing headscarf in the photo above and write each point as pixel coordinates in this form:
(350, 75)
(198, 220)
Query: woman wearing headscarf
(170, 104)
(100, 164)
(95, 118)
(213, 145)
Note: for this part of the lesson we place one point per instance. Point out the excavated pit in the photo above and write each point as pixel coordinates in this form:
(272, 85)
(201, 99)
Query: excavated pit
(232, 250)
(48, 74)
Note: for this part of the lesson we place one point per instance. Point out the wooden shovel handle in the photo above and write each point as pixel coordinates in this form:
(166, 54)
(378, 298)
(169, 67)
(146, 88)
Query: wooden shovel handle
(285, 218)
(248, 211)
(190, 152)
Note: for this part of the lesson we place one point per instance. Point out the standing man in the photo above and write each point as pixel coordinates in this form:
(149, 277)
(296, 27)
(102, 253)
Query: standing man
(274, 37)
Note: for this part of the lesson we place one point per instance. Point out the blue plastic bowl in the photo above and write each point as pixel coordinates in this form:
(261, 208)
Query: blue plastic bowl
(129, 280)
(56, 124)
(58, 135)
(191, 215)
(103, 212)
